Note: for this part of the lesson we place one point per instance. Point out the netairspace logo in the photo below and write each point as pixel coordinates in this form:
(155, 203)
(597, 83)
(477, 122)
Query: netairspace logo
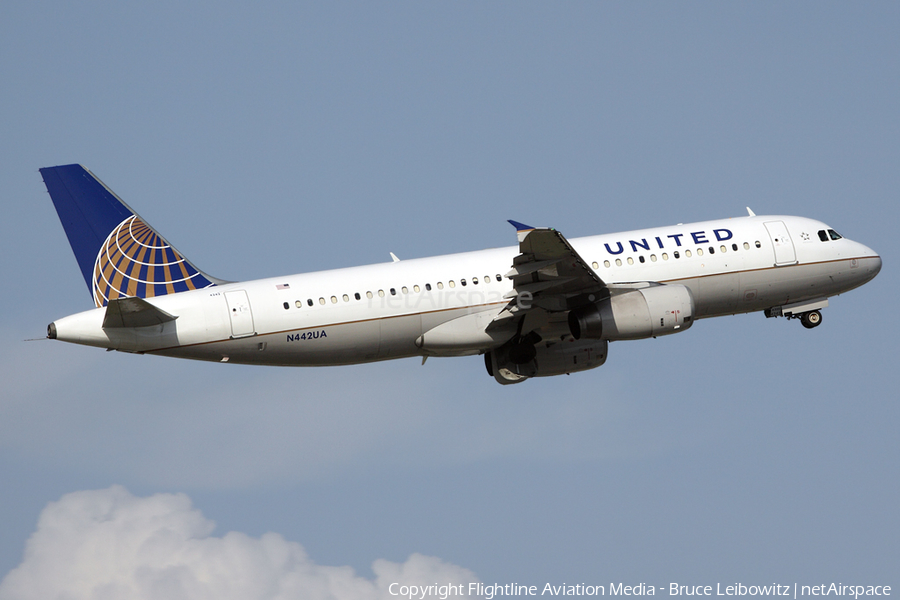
(776, 589)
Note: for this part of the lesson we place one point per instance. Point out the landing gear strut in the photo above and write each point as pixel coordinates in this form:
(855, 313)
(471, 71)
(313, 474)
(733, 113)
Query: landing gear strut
(811, 319)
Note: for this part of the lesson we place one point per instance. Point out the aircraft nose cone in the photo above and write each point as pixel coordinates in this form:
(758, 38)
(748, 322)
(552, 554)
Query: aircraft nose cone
(870, 260)
(871, 265)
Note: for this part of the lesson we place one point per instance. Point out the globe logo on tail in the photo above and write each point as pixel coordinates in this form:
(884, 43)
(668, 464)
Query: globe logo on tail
(136, 261)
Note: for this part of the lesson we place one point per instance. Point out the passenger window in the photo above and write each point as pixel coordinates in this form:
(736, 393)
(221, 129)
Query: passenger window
(734, 247)
(404, 289)
(309, 301)
(416, 289)
(595, 265)
(652, 258)
(298, 304)
(712, 250)
(723, 248)
(487, 278)
(499, 277)
(346, 298)
(369, 295)
(641, 258)
(699, 251)
(428, 287)
(334, 299)
(286, 306)
(393, 292)
(687, 253)
(356, 295)
(322, 301)
(665, 256)
(452, 284)
(675, 254)
(746, 246)
(440, 285)
(381, 293)
(823, 236)
(618, 262)
(758, 245)
(630, 261)
(463, 282)
(606, 263)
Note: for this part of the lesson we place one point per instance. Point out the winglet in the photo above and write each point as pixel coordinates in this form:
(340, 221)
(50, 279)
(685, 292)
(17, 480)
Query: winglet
(522, 229)
(520, 226)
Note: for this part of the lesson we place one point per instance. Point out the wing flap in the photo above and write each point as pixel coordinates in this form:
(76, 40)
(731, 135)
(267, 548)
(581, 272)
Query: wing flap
(550, 270)
(548, 275)
(527, 268)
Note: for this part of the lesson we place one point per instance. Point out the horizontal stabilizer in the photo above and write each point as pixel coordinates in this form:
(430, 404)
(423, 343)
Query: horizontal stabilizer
(134, 312)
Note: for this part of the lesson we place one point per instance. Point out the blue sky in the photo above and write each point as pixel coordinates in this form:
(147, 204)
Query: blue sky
(289, 137)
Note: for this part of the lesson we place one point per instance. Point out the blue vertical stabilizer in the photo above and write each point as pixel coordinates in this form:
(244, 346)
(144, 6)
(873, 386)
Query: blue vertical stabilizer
(118, 253)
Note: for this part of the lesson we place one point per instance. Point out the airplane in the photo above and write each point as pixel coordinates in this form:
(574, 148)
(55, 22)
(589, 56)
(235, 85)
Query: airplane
(548, 306)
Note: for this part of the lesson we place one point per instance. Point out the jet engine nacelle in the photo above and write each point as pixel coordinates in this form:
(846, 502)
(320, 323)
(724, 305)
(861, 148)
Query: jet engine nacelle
(642, 313)
(566, 356)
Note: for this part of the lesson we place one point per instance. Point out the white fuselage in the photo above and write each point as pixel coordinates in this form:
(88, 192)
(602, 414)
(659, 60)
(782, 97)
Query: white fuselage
(379, 312)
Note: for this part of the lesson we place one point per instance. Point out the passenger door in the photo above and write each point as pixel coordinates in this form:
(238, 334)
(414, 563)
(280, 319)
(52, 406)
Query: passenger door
(781, 241)
(239, 311)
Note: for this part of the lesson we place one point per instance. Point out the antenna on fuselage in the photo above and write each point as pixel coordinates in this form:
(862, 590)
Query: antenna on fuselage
(750, 212)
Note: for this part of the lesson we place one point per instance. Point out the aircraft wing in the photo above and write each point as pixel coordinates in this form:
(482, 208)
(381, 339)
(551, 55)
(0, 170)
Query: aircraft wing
(549, 274)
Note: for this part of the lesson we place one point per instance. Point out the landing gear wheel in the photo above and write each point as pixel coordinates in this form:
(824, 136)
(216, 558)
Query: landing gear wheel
(811, 319)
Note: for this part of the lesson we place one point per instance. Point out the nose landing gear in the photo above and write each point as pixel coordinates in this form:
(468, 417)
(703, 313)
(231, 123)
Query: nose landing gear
(809, 312)
(811, 319)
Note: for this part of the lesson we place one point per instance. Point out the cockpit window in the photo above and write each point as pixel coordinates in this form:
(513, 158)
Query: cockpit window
(834, 234)
(823, 236)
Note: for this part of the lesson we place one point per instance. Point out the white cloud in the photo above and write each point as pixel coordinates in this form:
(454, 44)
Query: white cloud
(109, 544)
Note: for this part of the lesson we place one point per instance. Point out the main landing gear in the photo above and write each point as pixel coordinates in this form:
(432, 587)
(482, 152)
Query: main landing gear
(811, 319)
